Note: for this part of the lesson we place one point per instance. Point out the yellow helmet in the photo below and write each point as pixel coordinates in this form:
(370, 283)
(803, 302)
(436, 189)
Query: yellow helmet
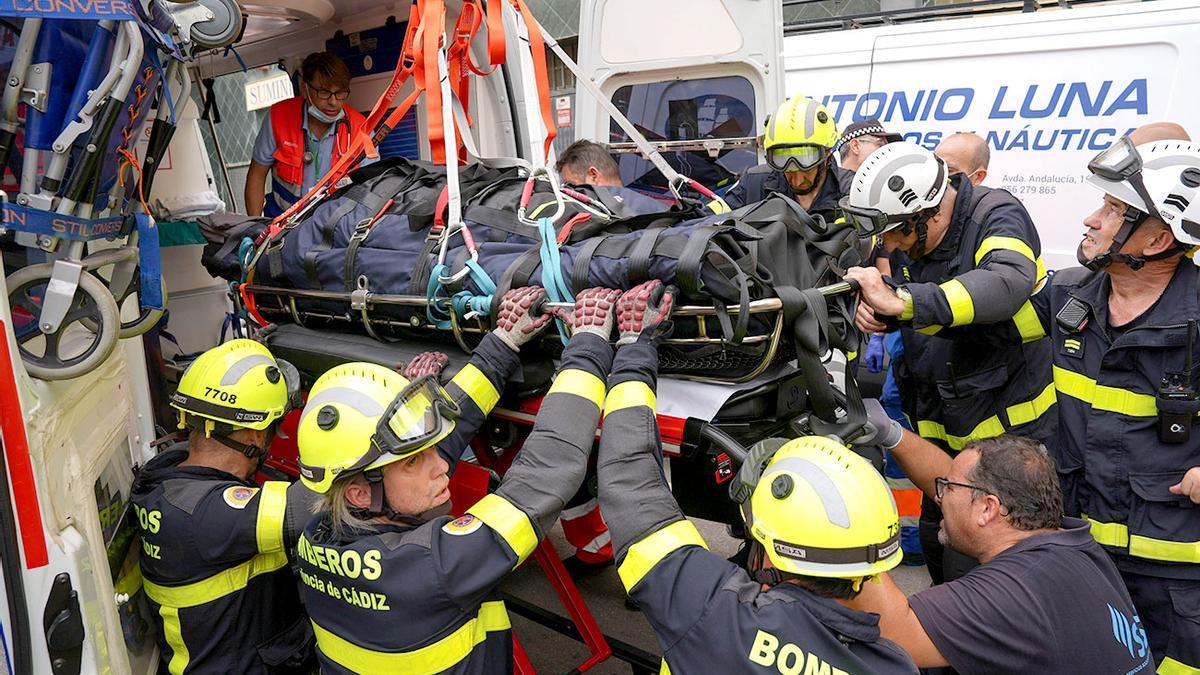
(800, 135)
(363, 416)
(235, 385)
(820, 510)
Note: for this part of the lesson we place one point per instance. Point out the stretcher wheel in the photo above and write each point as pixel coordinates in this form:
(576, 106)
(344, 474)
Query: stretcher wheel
(146, 318)
(223, 29)
(73, 349)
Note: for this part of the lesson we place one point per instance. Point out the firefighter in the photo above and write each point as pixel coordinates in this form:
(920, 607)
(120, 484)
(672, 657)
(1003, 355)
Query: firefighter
(799, 143)
(959, 255)
(822, 520)
(1125, 336)
(214, 543)
(391, 582)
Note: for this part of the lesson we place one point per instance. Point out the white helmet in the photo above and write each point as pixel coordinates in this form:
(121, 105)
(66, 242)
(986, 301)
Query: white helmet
(1159, 179)
(896, 187)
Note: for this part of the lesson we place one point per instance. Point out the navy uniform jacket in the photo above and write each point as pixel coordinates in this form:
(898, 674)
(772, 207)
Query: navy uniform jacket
(215, 570)
(421, 597)
(708, 614)
(955, 387)
(758, 182)
(1115, 470)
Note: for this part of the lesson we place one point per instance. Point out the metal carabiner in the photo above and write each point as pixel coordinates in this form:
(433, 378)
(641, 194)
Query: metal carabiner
(468, 241)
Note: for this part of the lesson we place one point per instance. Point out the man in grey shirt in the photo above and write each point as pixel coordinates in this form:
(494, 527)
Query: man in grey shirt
(1045, 597)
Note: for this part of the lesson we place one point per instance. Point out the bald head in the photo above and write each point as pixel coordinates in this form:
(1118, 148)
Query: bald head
(1158, 131)
(965, 153)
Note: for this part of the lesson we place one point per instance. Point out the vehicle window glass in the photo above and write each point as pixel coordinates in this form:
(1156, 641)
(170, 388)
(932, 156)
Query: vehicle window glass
(688, 110)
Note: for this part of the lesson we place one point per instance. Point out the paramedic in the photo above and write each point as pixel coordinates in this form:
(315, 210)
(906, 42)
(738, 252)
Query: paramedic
(391, 582)
(821, 518)
(214, 561)
(965, 153)
(860, 139)
(799, 145)
(959, 255)
(302, 137)
(1045, 597)
(588, 163)
(1126, 333)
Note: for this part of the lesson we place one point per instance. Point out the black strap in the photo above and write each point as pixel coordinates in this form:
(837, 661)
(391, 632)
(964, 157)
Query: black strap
(583, 262)
(233, 236)
(328, 228)
(639, 258)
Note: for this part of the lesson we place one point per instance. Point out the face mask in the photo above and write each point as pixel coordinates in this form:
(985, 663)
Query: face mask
(319, 115)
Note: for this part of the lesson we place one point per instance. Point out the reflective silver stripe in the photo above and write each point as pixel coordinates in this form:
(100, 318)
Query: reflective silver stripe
(360, 402)
(889, 169)
(822, 484)
(810, 120)
(243, 366)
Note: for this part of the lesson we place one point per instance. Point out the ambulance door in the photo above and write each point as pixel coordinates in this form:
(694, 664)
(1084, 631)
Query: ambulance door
(698, 77)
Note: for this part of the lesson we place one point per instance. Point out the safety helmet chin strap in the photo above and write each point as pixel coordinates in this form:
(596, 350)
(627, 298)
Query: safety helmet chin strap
(381, 509)
(1134, 218)
(250, 450)
(769, 576)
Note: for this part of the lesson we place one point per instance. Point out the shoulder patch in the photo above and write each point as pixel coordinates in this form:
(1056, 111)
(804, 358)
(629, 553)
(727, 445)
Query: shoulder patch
(238, 496)
(463, 525)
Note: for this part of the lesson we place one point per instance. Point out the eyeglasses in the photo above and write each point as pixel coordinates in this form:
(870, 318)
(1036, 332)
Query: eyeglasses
(1121, 162)
(325, 94)
(796, 156)
(939, 487)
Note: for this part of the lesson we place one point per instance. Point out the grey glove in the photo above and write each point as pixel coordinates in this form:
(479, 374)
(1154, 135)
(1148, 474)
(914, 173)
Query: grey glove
(520, 319)
(879, 429)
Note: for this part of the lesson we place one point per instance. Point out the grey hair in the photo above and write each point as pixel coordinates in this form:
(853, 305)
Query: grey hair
(342, 520)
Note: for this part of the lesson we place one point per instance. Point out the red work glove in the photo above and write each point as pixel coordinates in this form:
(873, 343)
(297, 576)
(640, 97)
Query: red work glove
(643, 307)
(593, 312)
(520, 318)
(425, 363)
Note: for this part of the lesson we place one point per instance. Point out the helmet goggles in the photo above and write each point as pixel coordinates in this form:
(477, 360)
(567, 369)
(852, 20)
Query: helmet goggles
(796, 156)
(871, 222)
(417, 416)
(1121, 162)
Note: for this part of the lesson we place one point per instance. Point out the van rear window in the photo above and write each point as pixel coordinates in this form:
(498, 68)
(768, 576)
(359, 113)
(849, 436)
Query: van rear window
(688, 110)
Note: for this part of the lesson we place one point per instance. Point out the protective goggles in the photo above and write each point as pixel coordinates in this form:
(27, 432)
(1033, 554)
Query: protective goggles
(796, 156)
(1121, 162)
(418, 415)
(871, 222)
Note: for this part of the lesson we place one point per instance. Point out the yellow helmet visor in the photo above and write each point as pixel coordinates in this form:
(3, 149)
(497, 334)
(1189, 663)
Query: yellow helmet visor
(417, 417)
(796, 156)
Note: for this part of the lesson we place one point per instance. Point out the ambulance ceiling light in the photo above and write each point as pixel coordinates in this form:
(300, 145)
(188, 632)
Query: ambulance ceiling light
(270, 18)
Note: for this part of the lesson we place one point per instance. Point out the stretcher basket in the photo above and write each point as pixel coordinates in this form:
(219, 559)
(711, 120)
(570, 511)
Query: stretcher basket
(700, 357)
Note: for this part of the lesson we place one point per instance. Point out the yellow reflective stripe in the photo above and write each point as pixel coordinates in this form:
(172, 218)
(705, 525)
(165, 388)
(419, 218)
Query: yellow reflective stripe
(664, 669)
(478, 387)
(644, 555)
(930, 330)
(1027, 323)
(989, 428)
(1024, 413)
(1161, 549)
(581, 383)
(507, 521)
(629, 395)
(1117, 535)
(1101, 397)
(718, 206)
(218, 585)
(850, 356)
(173, 632)
(268, 527)
(1109, 534)
(435, 658)
(1003, 243)
(1170, 666)
(962, 307)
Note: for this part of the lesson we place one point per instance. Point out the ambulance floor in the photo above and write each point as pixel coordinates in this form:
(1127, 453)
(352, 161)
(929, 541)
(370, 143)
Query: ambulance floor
(551, 652)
